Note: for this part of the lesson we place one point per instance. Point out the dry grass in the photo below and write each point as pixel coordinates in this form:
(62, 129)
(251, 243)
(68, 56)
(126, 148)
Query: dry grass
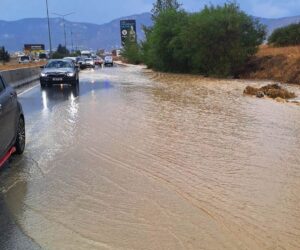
(13, 64)
(280, 64)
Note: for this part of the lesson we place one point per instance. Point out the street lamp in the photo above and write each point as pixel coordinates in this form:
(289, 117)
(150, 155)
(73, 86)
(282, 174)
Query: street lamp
(49, 30)
(64, 23)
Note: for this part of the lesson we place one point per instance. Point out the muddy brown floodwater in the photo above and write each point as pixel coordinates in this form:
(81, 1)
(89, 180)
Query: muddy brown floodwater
(137, 160)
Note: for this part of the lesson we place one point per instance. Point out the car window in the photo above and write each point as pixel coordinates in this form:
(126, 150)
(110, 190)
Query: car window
(59, 64)
(2, 86)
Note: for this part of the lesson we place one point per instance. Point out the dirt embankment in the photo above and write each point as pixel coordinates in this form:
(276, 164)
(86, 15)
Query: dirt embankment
(279, 64)
(13, 64)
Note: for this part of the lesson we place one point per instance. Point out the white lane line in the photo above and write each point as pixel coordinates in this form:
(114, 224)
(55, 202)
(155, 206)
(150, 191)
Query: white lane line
(27, 90)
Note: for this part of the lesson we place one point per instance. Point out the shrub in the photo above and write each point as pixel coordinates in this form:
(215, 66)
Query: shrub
(132, 52)
(163, 49)
(286, 36)
(216, 41)
(4, 55)
(221, 39)
(61, 52)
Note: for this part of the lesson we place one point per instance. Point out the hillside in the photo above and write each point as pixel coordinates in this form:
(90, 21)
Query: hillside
(15, 34)
(279, 64)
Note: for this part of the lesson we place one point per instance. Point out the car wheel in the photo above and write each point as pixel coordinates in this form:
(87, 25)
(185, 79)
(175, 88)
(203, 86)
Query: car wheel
(21, 137)
(43, 85)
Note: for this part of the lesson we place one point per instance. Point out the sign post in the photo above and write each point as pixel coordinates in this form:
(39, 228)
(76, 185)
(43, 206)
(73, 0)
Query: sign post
(128, 31)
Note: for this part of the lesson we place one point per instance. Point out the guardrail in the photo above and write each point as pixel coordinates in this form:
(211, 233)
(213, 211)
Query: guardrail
(22, 76)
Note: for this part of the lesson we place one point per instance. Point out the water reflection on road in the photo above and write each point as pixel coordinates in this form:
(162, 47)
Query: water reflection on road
(136, 160)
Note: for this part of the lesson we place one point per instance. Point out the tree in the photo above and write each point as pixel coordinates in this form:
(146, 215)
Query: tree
(4, 55)
(285, 36)
(132, 52)
(163, 5)
(61, 52)
(216, 41)
(220, 39)
(163, 48)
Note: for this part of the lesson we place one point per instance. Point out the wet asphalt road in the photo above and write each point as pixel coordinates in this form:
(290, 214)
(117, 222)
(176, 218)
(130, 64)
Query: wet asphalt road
(12, 236)
(133, 159)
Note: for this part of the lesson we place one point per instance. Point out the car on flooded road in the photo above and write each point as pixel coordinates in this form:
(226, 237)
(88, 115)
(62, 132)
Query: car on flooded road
(108, 61)
(89, 63)
(12, 123)
(98, 61)
(59, 72)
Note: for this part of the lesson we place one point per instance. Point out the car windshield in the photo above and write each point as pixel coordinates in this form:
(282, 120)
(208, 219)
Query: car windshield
(23, 58)
(88, 60)
(59, 64)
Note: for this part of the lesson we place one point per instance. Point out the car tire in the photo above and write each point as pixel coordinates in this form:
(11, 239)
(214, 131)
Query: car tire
(43, 85)
(20, 137)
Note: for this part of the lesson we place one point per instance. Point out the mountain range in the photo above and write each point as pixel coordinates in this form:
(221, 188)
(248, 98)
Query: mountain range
(14, 34)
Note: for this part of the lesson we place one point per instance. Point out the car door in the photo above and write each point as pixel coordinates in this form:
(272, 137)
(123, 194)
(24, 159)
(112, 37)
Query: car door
(8, 114)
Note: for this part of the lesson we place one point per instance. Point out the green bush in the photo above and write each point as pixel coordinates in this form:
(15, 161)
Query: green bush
(61, 52)
(216, 41)
(286, 36)
(132, 52)
(220, 39)
(4, 55)
(163, 48)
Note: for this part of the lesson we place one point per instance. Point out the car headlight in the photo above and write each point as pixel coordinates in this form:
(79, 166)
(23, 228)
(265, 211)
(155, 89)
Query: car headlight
(71, 74)
(43, 75)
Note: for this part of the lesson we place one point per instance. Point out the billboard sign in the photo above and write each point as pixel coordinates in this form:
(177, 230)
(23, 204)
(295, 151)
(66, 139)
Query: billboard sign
(128, 31)
(34, 47)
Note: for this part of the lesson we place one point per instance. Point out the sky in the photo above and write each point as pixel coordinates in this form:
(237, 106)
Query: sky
(101, 11)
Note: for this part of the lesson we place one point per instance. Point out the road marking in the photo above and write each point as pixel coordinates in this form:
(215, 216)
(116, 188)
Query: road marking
(27, 90)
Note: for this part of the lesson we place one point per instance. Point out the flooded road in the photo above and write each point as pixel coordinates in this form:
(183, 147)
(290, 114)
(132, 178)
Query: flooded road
(137, 160)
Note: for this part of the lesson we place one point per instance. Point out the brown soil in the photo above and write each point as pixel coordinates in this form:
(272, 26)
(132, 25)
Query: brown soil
(280, 64)
(272, 90)
(13, 64)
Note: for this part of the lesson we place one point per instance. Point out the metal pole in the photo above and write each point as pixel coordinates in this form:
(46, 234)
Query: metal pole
(49, 29)
(72, 40)
(64, 24)
(65, 32)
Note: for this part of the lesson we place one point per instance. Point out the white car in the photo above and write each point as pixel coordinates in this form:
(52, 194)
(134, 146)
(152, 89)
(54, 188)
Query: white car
(89, 63)
(108, 61)
(24, 59)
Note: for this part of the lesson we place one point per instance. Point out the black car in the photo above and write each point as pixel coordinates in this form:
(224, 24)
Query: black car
(12, 123)
(59, 71)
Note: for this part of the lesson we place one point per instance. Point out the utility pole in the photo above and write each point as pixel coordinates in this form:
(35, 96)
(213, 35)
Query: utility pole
(72, 40)
(49, 29)
(64, 24)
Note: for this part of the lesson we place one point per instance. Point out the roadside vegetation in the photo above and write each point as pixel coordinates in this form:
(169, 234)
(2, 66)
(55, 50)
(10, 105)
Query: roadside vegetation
(62, 52)
(4, 55)
(216, 41)
(132, 52)
(285, 36)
